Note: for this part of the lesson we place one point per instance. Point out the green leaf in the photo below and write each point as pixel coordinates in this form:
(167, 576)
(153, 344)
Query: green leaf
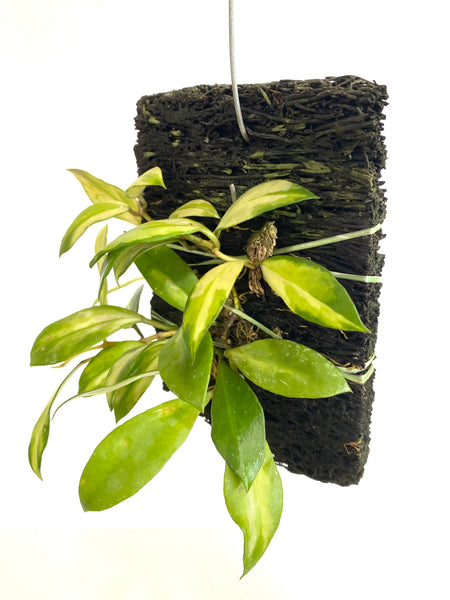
(135, 299)
(196, 208)
(78, 332)
(287, 368)
(132, 363)
(186, 377)
(90, 215)
(95, 372)
(100, 191)
(41, 430)
(155, 232)
(258, 511)
(133, 453)
(207, 299)
(238, 429)
(150, 177)
(168, 275)
(262, 198)
(120, 260)
(312, 292)
(100, 242)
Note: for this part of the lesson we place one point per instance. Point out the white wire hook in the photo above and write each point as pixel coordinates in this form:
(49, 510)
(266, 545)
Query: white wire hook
(234, 87)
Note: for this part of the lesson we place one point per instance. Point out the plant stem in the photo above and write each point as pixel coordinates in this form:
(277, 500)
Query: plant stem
(243, 315)
(119, 287)
(158, 336)
(225, 257)
(138, 331)
(330, 240)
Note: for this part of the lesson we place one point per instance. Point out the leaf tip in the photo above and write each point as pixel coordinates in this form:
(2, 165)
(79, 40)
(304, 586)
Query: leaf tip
(95, 260)
(37, 471)
(34, 464)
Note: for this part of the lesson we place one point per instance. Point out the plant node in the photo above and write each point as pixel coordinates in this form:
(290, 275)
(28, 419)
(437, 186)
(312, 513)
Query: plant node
(260, 246)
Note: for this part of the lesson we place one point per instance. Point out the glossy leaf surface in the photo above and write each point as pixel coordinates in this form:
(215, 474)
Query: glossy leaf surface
(90, 215)
(238, 429)
(168, 275)
(165, 230)
(207, 299)
(312, 292)
(132, 363)
(95, 373)
(80, 331)
(133, 453)
(100, 191)
(186, 377)
(196, 208)
(258, 511)
(289, 369)
(151, 177)
(263, 198)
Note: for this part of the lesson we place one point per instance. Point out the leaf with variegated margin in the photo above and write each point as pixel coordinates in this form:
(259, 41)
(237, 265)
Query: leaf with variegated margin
(79, 332)
(262, 198)
(207, 299)
(312, 292)
(151, 177)
(89, 216)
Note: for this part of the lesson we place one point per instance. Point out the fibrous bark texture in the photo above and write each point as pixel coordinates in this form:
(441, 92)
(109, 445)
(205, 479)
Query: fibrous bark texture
(327, 136)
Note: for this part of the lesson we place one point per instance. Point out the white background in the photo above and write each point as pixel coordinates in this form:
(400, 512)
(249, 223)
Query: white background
(71, 73)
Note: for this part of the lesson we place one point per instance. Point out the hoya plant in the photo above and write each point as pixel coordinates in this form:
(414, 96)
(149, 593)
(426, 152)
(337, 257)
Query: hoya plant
(197, 360)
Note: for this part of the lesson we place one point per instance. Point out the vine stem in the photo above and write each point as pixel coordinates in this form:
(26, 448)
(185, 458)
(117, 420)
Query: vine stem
(158, 336)
(223, 256)
(243, 315)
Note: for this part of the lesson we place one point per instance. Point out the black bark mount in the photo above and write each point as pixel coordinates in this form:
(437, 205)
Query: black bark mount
(325, 134)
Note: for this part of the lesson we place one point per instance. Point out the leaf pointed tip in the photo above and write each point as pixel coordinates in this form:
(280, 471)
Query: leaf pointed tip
(37, 472)
(35, 466)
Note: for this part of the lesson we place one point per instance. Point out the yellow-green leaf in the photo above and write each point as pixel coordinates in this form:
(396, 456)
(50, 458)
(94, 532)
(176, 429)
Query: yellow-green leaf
(155, 232)
(89, 216)
(132, 363)
(133, 453)
(262, 198)
(196, 208)
(151, 177)
(80, 331)
(207, 299)
(100, 191)
(258, 511)
(95, 373)
(100, 242)
(312, 292)
(41, 430)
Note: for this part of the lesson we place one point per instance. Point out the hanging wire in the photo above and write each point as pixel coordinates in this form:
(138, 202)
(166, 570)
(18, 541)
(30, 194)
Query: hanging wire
(234, 87)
